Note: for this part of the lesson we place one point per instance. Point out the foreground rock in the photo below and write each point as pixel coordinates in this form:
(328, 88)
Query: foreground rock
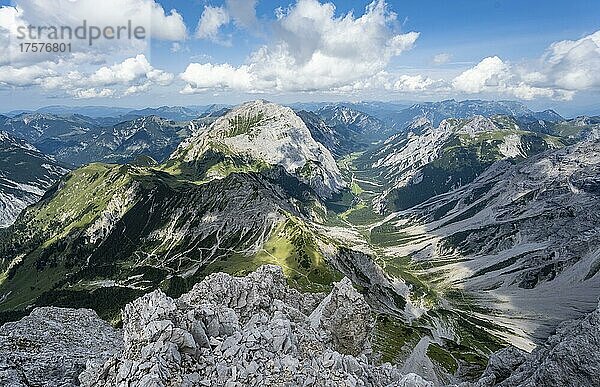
(51, 347)
(247, 331)
(254, 331)
(571, 357)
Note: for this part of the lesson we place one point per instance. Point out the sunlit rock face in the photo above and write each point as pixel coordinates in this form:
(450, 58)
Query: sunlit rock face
(523, 238)
(568, 358)
(268, 133)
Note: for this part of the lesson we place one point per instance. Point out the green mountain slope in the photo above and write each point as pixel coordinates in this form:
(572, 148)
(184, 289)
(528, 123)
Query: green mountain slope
(107, 233)
(128, 229)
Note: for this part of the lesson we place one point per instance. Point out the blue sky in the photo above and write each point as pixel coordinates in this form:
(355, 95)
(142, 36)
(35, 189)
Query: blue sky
(471, 28)
(541, 52)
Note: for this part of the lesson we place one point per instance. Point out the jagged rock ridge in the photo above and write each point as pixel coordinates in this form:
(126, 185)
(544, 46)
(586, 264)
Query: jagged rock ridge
(247, 332)
(253, 331)
(428, 160)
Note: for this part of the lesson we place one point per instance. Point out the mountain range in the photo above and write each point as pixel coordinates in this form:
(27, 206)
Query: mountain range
(427, 161)
(466, 226)
(438, 111)
(77, 140)
(175, 113)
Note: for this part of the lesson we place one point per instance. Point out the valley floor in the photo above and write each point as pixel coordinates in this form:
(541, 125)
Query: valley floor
(449, 334)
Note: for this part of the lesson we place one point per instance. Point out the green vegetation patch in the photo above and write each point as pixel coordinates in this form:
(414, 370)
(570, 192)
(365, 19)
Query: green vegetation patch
(232, 165)
(362, 215)
(242, 124)
(442, 357)
(391, 337)
(403, 268)
(291, 246)
(388, 235)
(82, 197)
(355, 188)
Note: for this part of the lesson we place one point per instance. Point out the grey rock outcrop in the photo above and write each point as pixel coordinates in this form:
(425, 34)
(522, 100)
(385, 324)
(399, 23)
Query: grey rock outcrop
(248, 331)
(501, 365)
(51, 347)
(569, 358)
(344, 318)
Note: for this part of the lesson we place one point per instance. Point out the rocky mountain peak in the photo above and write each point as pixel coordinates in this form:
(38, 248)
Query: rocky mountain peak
(344, 114)
(419, 125)
(478, 124)
(252, 116)
(269, 133)
(356, 121)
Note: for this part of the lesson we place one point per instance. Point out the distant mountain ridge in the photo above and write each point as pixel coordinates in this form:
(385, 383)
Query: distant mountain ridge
(176, 113)
(360, 127)
(384, 111)
(436, 112)
(90, 111)
(429, 160)
(37, 127)
(151, 136)
(78, 140)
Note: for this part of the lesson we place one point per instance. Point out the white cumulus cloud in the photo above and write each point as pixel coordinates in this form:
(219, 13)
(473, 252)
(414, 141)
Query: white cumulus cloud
(567, 67)
(313, 50)
(211, 21)
(207, 76)
(77, 73)
(442, 58)
(24, 76)
(574, 64)
(146, 13)
(142, 14)
(490, 73)
(92, 93)
(133, 75)
(241, 12)
(414, 83)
